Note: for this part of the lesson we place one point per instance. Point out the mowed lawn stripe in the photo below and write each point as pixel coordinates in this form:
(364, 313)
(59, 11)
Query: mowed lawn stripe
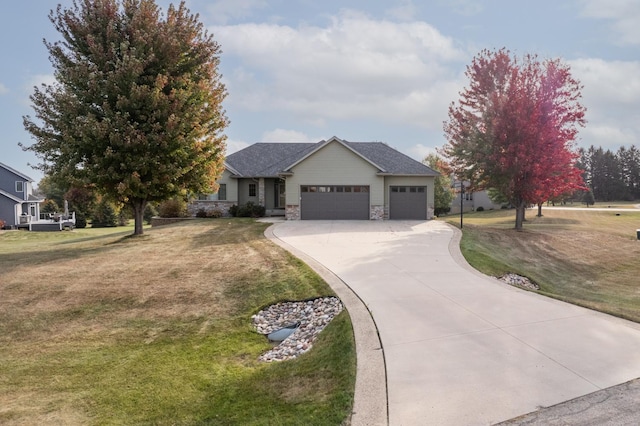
(97, 327)
(589, 258)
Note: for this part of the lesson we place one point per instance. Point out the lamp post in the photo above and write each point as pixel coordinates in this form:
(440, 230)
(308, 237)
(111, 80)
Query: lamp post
(462, 185)
(461, 201)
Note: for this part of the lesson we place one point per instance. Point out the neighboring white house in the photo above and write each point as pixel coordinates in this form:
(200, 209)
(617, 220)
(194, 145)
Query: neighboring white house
(333, 179)
(471, 201)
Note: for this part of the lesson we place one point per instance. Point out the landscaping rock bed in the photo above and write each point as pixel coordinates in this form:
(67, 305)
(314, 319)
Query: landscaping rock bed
(312, 315)
(519, 281)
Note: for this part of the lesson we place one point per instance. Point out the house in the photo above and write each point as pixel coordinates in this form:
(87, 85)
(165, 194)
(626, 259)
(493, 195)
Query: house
(332, 179)
(471, 200)
(20, 208)
(17, 202)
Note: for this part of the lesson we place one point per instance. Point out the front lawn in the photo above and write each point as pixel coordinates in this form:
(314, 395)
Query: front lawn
(589, 258)
(99, 327)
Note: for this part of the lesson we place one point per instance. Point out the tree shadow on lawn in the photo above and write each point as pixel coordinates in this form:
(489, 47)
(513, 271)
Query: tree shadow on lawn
(12, 261)
(221, 232)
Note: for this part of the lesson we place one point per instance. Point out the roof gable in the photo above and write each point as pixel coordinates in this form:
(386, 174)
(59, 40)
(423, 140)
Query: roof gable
(15, 172)
(323, 144)
(266, 159)
(11, 197)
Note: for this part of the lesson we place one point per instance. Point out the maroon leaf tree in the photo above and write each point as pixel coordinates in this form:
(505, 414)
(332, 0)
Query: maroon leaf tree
(514, 128)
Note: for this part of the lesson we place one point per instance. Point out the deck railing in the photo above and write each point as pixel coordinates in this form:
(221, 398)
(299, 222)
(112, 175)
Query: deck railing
(56, 217)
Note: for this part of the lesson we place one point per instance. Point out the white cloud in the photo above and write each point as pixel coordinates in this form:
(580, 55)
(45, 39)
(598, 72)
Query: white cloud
(625, 15)
(609, 135)
(609, 86)
(282, 135)
(3, 89)
(355, 67)
(611, 95)
(234, 146)
(38, 80)
(419, 151)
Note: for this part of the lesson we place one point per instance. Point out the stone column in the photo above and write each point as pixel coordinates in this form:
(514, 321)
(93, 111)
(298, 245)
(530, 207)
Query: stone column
(261, 192)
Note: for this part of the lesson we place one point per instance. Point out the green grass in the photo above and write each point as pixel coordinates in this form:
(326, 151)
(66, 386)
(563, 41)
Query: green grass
(100, 328)
(589, 258)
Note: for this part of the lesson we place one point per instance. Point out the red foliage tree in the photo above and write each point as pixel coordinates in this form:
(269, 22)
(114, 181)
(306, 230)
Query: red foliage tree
(514, 127)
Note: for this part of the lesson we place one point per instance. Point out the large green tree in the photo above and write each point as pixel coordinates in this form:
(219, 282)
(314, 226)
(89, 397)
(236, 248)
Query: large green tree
(514, 127)
(136, 108)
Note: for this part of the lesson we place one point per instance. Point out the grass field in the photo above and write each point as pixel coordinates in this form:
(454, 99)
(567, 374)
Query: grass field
(98, 327)
(590, 258)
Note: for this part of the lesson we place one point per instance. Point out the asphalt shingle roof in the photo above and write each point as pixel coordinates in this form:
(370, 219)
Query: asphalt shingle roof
(391, 160)
(266, 159)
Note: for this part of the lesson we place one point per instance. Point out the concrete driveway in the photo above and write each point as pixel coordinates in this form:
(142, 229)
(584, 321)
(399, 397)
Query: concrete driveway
(461, 348)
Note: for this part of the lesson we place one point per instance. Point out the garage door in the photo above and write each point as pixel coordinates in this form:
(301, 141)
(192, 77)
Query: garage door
(334, 202)
(408, 203)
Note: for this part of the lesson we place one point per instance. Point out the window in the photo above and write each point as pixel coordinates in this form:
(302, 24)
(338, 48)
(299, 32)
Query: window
(19, 186)
(410, 189)
(252, 190)
(221, 195)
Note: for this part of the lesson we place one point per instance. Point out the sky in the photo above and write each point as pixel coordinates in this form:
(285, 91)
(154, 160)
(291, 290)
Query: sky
(361, 70)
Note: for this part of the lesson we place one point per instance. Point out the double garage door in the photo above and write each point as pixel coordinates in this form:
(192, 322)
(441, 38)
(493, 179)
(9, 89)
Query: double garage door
(334, 202)
(340, 202)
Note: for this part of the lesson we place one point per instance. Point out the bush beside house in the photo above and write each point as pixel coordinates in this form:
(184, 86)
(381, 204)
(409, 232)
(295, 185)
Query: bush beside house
(249, 209)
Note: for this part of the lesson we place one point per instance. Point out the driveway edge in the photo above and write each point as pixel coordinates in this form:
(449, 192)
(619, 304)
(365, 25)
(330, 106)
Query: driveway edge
(370, 406)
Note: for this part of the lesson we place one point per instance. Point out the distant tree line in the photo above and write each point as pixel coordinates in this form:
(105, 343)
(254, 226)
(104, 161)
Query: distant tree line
(612, 176)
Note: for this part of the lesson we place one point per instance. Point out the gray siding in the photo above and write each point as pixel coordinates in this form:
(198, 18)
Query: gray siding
(7, 210)
(8, 181)
(243, 191)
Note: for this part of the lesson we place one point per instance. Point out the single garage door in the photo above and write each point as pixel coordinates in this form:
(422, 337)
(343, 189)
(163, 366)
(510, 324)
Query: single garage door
(334, 202)
(408, 203)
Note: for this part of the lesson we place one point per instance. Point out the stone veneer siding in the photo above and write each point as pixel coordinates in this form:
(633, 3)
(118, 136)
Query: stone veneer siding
(210, 206)
(377, 213)
(292, 212)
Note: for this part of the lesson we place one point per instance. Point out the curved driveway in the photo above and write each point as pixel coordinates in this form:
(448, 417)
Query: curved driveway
(461, 348)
